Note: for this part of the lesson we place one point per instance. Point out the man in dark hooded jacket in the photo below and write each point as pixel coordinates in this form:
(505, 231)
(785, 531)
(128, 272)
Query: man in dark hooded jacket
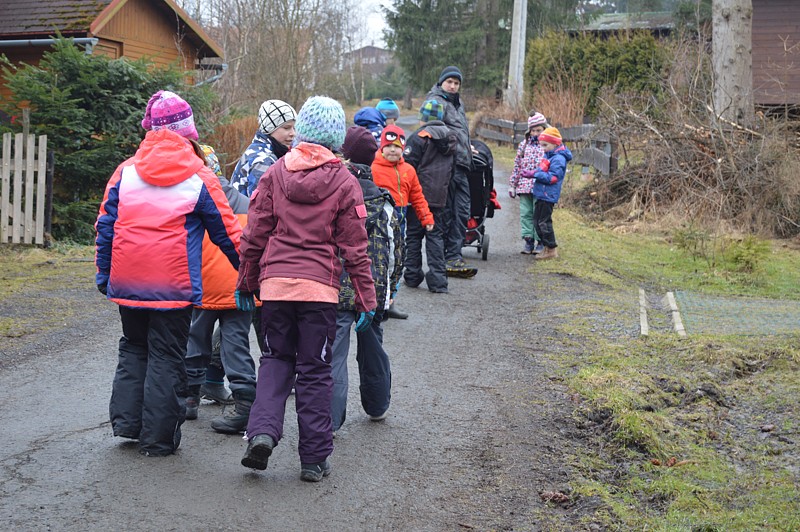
(446, 92)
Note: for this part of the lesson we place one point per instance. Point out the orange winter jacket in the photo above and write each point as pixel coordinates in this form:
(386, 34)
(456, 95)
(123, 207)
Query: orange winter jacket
(401, 180)
(219, 277)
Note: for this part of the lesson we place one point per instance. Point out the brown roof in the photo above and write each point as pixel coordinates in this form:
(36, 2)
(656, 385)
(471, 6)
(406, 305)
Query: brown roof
(43, 17)
(26, 19)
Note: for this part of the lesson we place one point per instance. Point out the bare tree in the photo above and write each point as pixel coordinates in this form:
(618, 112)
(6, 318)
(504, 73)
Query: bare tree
(285, 49)
(733, 60)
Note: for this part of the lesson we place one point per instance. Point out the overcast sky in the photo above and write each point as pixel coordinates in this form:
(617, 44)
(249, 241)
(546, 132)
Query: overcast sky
(375, 21)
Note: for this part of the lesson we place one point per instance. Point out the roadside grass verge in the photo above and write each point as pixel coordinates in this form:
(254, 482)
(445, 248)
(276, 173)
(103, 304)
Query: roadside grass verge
(682, 434)
(694, 434)
(619, 260)
(28, 277)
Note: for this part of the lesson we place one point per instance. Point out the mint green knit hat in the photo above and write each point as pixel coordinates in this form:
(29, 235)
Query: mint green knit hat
(321, 121)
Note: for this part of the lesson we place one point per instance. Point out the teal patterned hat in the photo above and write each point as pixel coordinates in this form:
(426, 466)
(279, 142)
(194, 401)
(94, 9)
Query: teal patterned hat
(321, 121)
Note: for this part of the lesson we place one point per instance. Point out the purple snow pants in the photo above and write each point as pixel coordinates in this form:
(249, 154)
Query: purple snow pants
(299, 336)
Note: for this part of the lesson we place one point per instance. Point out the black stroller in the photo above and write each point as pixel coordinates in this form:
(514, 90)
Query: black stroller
(482, 204)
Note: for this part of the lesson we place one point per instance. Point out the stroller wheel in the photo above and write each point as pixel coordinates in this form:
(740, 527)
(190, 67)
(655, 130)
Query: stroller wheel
(485, 246)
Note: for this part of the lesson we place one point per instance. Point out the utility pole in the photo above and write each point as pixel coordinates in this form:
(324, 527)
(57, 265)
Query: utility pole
(516, 63)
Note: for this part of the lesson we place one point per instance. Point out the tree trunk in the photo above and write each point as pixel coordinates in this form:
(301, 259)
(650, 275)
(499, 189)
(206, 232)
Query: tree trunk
(733, 60)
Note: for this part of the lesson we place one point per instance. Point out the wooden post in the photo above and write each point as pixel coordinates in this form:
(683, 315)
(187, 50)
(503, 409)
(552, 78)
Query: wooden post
(48, 199)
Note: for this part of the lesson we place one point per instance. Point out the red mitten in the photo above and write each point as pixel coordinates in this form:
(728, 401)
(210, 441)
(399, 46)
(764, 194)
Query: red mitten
(545, 165)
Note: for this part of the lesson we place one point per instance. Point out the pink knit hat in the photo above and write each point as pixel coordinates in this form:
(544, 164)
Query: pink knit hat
(167, 110)
(537, 119)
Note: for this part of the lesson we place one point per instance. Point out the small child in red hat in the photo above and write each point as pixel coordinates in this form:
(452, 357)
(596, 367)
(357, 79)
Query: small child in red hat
(391, 172)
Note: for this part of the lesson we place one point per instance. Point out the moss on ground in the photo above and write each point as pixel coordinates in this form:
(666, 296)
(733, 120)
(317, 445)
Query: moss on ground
(684, 434)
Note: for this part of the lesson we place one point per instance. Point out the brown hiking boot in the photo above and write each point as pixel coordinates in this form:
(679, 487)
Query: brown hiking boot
(548, 253)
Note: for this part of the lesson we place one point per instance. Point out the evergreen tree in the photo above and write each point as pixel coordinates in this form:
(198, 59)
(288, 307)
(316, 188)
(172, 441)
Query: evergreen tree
(90, 107)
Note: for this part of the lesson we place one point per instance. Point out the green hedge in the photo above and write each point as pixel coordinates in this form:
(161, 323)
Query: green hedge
(631, 62)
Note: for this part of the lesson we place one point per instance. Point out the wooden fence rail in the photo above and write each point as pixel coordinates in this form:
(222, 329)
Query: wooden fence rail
(591, 147)
(22, 189)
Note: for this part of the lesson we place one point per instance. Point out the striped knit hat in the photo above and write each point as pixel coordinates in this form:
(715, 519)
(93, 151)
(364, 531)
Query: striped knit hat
(273, 114)
(167, 110)
(537, 119)
(321, 121)
(450, 72)
(551, 135)
(431, 110)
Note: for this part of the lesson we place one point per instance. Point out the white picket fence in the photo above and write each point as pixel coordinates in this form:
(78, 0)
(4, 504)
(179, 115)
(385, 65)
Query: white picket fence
(22, 189)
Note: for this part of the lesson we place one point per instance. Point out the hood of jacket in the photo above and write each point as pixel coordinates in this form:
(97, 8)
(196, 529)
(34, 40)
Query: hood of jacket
(164, 159)
(310, 177)
(361, 171)
(370, 118)
(560, 150)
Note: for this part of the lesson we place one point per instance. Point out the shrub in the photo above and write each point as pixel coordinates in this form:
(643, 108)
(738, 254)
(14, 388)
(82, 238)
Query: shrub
(625, 62)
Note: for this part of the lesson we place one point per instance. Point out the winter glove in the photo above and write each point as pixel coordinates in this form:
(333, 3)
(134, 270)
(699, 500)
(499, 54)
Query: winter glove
(512, 192)
(364, 319)
(245, 301)
(527, 174)
(545, 165)
(103, 287)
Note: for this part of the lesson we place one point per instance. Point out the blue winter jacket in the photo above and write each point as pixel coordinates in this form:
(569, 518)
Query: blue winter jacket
(547, 186)
(372, 119)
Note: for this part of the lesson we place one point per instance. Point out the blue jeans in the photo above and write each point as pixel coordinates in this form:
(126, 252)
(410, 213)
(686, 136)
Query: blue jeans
(373, 368)
(457, 214)
(234, 326)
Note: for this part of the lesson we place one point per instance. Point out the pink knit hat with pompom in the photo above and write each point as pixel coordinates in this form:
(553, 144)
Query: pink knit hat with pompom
(167, 110)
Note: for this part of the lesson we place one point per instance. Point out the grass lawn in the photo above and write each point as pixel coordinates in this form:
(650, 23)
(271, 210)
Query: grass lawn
(685, 434)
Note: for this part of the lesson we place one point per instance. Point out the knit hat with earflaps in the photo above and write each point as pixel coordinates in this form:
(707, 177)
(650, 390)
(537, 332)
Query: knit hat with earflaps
(359, 145)
(388, 108)
(550, 135)
(167, 110)
(321, 121)
(273, 114)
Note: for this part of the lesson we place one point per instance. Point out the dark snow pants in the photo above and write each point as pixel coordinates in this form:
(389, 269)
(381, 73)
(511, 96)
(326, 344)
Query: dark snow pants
(149, 391)
(436, 278)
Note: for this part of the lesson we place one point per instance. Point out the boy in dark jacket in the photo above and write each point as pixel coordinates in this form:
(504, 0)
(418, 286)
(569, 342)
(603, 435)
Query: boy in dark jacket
(430, 150)
(384, 250)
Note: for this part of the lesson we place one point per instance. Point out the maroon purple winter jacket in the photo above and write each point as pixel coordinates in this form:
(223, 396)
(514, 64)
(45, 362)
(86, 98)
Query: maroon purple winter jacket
(301, 221)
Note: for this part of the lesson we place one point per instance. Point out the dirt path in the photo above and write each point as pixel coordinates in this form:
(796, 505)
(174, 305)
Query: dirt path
(479, 424)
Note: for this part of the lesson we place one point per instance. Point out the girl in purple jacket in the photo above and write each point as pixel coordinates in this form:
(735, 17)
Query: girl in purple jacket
(306, 215)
